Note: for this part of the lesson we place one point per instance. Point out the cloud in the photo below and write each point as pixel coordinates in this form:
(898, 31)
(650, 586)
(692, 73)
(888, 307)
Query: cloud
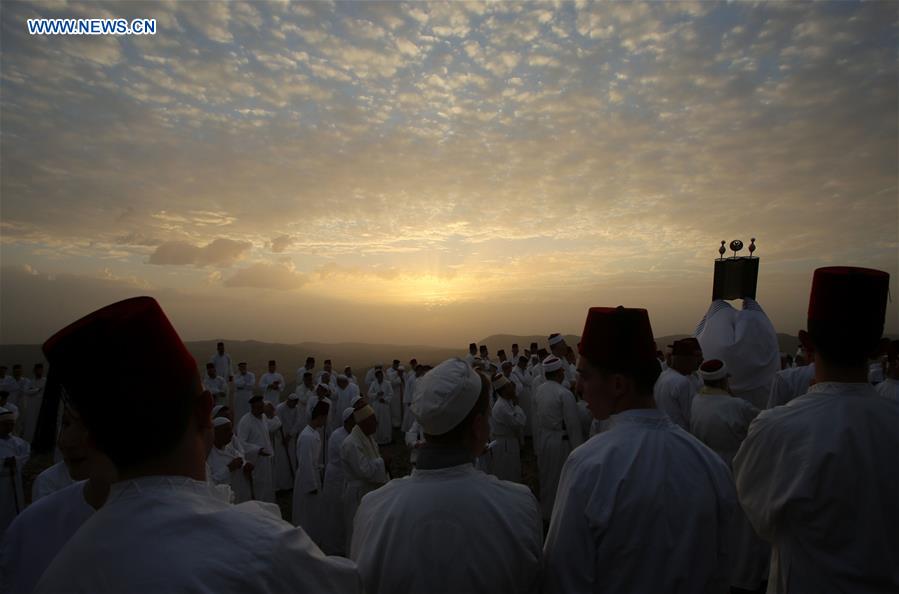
(267, 275)
(281, 243)
(220, 252)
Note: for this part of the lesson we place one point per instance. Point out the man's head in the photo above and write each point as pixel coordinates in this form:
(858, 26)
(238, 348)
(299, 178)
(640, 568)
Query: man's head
(553, 369)
(38, 370)
(348, 371)
(366, 419)
(220, 347)
(522, 362)
(17, 370)
(293, 400)
(846, 312)
(310, 363)
(483, 351)
(557, 345)
(272, 366)
(348, 421)
(379, 375)
(223, 431)
(395, 364)
(686, 355)
(503, 386)
(257, 405)
(326, 377)
(515, 348)
(472, 349)
(413, 363)
(168, 412)
(322, 391)
(501, 355)
(451, 404)
(327, 365)
(79, 452)
(617, 368)
(507, 368)
(7, 422)
(714, 374)
(320, 413)
(242, 367)
(342, 381)
(307, 379)
(210, 369)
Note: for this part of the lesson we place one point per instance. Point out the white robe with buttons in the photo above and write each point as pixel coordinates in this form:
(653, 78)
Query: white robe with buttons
(558, 433)
(448, 530)
(257, 431)
(819, 479)
(508, 423)
(364, 470)
(175, 534)
(642, 507)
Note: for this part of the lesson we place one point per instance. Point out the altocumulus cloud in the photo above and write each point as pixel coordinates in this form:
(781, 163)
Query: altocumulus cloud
(267, 275)
(220, 252)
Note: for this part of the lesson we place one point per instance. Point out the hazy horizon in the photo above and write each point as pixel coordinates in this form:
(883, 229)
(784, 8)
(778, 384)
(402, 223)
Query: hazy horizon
(432, 173)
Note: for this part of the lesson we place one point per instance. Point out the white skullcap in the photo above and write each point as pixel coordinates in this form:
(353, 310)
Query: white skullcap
(341, 376)
(445, 395)
(553, 340)
(713, 369)
(401, 368)
(500, 382)
(355, 399)
(363, 413)
(347, 413)
(219, 421)
(507, 363)
(217, 409)
(7, 415)
(293, 396)
(551, 363)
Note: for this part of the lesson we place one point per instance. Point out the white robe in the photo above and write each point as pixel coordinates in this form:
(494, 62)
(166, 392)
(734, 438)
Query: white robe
(269, 392)
(308, 499)
(16, 389)
(384, 433)
(525, 396)
(175, 534)
(218, 461)
(558, 433)
(746, 341)
(642, 507)
(218, 387)
(673, 393)
(18, 448)
(344, 397)
(33, 393)
(888, 388)
(790, 383)
(223, 366)
(243, 389)
(364, 470)
(334, 540)
(396, 402)
(415, 435)
(448, 530)
(508, 423)
(721, 422)
(53, 479)
(257, 431)
(408, 393)
(293, 420)
(819, 479)
(37, 535)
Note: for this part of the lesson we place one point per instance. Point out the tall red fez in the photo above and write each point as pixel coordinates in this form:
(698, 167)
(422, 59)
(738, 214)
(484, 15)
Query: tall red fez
(617, 337)
(146, 357)
(848, 296)
(685, 347)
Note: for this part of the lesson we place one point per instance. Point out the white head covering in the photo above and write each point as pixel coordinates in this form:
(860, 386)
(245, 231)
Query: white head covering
(219, 421)
(7, 415)
(293, 396)
(347, 413)
(355, 399)
(508, 363)
(551, 363)
(445, 395)
(715, 374)
(217, 409)
(401, 368)
(341, 376)
(500, 382)
(363, 413)
(554, 340)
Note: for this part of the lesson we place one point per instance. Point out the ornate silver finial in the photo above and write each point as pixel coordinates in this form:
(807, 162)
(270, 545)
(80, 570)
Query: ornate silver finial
(736, 245)
(751, 246)
(722, 249)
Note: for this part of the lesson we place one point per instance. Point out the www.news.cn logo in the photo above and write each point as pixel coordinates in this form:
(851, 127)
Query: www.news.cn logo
(92, 27)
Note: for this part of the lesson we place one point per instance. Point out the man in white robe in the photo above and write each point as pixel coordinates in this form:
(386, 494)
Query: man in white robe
(37, 535)
(334, 540)
(345, 392)
(223, 366)
(644, 506)
(244, 382)
(889, 388)
(14, 454)
(380, 394)
(415, 440)
(720, 420)
(255, 428)
(327, 375)
(163, 528)
(675, 389)
(472, 353)
(558, 430)
(272, 383)
(791, 382)
(308, 501)
(227, 463)
(370, 374)
(448, 527)
(33, 394)
(397, 382)
(51, 480)
(408, 393)
(364, 467)
(348, 372)
(559, 348)
(818, 477)
(517, 373)
(16, 388)
(747, 343)
(215, 384)
(308, 367)
(508, 424)
(293, 420)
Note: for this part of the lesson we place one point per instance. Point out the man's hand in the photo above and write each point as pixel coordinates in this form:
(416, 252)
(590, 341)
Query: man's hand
(235, 463)
(248, 469)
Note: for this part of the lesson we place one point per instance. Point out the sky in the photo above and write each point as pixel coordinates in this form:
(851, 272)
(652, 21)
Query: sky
(433, 173)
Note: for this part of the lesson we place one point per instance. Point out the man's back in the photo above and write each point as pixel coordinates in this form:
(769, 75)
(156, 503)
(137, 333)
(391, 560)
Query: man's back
(451, 529)
(167, 534)
(643, 507)
(819, 479)
(674, 394)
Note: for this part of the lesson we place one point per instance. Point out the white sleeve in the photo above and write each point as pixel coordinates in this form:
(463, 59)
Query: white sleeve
(572, 420)
(362, 465)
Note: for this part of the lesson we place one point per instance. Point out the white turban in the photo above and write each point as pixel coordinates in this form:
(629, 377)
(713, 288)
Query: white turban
(217, 409)
(219, 421)
(713, 369)
(347, 413)
(552, 363)
(445, 395)
(293, 396)
(7, 415)
(363, 413)
(500, 382)
(554, 340)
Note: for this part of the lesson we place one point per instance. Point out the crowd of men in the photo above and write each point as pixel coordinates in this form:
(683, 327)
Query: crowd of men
(713, 467)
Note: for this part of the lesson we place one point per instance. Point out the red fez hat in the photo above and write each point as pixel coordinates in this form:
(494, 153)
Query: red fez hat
(135, 337)
(617, 337)
(849, 296)
(685, 347)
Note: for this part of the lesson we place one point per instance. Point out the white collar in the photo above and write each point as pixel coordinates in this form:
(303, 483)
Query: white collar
(842, 388)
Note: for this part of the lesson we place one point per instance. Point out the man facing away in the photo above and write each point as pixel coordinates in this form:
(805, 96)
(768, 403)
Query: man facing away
(644, 506)
(674, 390)
(819, 477)
(163, 528)
(449, 527)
